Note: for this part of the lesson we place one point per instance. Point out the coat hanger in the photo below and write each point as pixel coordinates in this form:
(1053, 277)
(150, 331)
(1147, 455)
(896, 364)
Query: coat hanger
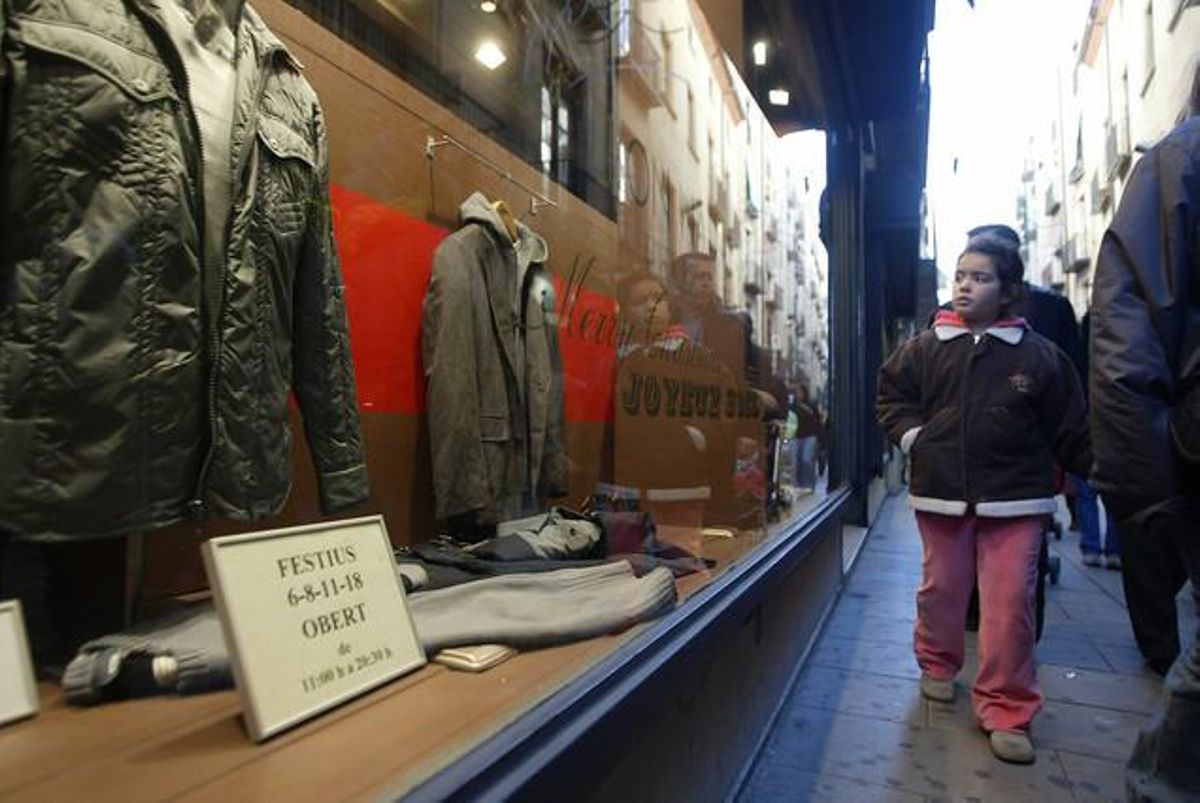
(506, 215)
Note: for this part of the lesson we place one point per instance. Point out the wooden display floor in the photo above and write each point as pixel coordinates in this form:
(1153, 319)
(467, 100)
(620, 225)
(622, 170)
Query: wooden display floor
(195, 748)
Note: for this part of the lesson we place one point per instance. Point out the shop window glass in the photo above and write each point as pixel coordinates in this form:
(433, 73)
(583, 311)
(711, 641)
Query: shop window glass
(438, 48)
(680, 308)
(625, 24)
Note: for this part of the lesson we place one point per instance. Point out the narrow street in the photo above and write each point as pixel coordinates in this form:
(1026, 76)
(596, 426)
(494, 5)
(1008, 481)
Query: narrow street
(855, 728)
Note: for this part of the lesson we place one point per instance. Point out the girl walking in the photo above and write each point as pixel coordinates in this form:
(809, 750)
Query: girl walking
(985, 407)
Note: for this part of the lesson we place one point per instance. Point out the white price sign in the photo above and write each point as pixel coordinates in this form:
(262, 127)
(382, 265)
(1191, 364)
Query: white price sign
(18, 690)
(313, 616)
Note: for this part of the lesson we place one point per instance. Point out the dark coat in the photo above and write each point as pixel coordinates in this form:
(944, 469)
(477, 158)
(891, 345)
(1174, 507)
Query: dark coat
(138, 387)
(1050, 315)
(984, 421)
(1145, 339)
(489, 340)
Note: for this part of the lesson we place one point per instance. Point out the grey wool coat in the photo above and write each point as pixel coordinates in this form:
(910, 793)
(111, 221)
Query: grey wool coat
(489, 341)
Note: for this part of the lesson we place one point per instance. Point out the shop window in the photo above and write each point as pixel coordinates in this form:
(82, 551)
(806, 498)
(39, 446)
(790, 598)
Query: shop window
(691, 124)
(555, 145)
(622, 173)
(624, 28)
(669, 80)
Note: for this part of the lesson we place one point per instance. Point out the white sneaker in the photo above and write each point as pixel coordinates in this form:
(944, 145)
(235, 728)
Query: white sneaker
(1091, 559)
(1012, 746)
(940, 690)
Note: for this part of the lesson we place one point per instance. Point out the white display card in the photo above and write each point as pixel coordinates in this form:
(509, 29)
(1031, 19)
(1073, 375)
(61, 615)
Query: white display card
(18, 690)
(313, 616)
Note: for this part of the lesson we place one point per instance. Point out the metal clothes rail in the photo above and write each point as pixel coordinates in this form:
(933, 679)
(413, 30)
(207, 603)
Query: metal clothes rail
(536, 199)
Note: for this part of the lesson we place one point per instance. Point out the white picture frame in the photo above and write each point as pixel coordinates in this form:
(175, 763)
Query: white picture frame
(313, 616)
(18, 686)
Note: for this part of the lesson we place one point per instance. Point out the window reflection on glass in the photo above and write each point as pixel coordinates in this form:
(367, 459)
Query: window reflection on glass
(528, 75)
(624, 27)
(622, 173)
(547, 131)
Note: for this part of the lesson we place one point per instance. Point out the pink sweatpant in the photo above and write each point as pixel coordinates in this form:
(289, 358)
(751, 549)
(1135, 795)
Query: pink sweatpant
(1004, 555)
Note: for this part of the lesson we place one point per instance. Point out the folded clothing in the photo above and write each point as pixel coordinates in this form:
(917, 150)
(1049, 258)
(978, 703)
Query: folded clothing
(537, 610)
(558, 534)
(185, 652)
(123, 664)
(560, 539)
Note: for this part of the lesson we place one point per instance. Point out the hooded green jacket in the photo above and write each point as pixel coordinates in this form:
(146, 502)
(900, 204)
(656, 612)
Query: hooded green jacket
(137, 388)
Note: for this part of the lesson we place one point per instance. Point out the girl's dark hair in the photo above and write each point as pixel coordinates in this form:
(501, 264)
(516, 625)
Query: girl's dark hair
(1010, 269)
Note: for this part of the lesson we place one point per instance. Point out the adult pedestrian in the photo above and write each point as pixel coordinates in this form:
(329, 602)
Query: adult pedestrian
(1095, 547)
(1145, 390)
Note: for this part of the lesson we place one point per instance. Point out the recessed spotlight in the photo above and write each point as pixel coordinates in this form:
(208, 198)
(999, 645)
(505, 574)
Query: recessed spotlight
(760, 54)
(488, 6)
(778, 97)
(490, 55)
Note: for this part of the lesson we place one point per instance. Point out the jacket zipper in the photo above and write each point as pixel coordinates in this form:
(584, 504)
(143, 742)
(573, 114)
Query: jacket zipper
(216, 302)
(166, 44)
(966, 477)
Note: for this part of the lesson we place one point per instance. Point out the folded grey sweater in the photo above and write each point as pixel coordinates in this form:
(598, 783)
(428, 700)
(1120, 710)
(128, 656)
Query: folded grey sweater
(536, 610)
(189, 654)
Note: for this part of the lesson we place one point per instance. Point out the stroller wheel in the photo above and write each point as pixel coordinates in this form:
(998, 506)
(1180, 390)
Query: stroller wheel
(1056, 528)
(1055, 566)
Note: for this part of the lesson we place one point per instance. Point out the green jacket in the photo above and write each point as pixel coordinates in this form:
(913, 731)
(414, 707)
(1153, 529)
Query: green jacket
(136, 388)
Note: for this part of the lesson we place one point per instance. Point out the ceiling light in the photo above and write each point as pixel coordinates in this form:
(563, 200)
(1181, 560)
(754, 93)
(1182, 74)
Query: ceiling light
(488, 6)
(760, 54)
(778, 97)
(490, 55)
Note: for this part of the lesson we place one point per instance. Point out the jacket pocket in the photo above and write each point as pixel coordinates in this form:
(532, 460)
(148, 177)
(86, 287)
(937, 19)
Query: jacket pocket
(933, 430)
(936, 458)
(287, 171)
(140, 76)
(494, 428)
(284, 142)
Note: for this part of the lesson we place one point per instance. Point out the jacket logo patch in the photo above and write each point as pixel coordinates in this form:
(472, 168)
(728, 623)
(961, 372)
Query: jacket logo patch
(1021, 382)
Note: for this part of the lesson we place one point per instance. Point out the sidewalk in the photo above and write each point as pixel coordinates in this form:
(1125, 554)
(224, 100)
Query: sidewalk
(855, 727)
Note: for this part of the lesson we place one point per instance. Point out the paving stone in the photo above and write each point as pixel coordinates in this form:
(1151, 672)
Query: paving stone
(899, 595)
(1055, 613)
(855, 606)
(1099, 732)
(892, 576)
(1112, 632)
(883, 697)
(1075, 652)
(779, 782)
(1131, 693)
(888, 629)
(1092, 612)
(1089, 596)
(1124, 659)
(1095, 779)
(928, 761)
(861, 655)
(888, 560)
